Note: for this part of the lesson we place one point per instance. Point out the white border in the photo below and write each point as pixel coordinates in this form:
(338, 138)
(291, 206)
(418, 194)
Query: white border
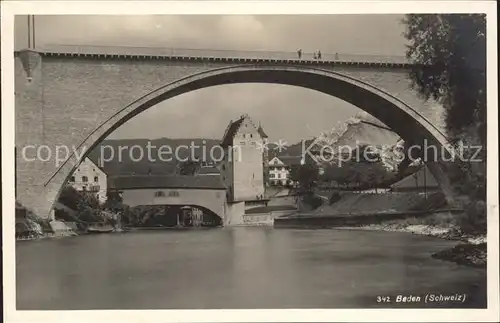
(10, 8)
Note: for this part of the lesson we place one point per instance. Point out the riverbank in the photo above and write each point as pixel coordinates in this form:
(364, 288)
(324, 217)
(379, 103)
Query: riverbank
(409, 212)
(471, 251)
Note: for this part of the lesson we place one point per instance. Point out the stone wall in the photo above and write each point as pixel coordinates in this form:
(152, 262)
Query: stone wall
(234, 214)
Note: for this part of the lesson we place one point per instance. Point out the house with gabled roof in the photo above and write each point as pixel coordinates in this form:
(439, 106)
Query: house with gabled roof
(280, 169)
(89, 177)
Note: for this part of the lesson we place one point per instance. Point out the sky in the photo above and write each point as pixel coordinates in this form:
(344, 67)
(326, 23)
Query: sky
(285, 112)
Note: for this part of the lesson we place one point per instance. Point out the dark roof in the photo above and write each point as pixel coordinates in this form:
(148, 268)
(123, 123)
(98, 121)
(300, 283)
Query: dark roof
(420, 179)
(261, 132)
(233, 127)
(168, 181)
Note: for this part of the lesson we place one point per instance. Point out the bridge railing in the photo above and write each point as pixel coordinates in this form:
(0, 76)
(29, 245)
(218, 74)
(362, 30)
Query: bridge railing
(219, 53)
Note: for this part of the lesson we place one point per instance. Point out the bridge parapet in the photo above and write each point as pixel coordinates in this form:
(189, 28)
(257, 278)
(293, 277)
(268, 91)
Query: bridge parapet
(218, 54)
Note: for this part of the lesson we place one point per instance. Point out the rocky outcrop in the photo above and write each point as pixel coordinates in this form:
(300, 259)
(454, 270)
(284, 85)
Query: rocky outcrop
(364, 129)
(60, 229)
(27, 225)
(465, 254)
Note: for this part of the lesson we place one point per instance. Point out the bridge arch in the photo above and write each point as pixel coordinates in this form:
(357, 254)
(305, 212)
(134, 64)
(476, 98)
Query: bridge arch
(402, 118)
(410, 124)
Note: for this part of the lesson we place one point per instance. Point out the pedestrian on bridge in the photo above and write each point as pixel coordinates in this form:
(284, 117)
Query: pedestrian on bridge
(299, 53)
(319, 54)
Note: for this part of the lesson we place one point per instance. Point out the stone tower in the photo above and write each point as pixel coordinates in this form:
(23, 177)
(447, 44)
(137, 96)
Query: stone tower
(243, 165)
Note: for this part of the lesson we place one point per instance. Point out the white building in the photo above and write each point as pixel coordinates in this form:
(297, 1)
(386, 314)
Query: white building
(90, 178)
(279, 173)
(280, 169)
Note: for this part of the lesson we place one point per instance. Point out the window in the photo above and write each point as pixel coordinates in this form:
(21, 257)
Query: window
(173, 193)
(85, 179)
(159, 194)
(251, 136)
(96, 179)
(223, 167)
(72, 179)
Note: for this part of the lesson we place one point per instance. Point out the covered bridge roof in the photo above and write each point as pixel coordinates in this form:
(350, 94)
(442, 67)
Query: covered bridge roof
(167, 181)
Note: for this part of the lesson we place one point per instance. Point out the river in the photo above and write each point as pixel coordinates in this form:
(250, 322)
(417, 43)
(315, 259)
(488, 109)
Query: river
(238, 268)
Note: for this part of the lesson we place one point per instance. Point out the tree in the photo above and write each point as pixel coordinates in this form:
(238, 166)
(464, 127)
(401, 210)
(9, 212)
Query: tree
(114, 200)
(333, 173)
(364, 174)
(306, 175)
(85, 203)
(70, 197)
(450, 55)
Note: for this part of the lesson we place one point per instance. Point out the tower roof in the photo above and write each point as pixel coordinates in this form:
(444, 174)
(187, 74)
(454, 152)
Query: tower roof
(261, 132)
(232, 129)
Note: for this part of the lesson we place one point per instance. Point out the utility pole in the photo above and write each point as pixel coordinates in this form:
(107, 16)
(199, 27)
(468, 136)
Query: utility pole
(31, 32)
(425, 181)
(33, 24)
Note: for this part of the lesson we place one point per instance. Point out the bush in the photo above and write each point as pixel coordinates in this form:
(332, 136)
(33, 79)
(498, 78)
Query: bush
(469, 181)
(86, 204)
(473, 220)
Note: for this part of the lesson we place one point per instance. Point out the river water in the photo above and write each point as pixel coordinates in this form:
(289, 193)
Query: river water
(238, 268)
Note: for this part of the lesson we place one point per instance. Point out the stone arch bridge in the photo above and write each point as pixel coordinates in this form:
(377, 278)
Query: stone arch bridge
(73, 97)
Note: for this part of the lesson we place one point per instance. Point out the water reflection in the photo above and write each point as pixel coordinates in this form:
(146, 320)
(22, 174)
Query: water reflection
(234, 268)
